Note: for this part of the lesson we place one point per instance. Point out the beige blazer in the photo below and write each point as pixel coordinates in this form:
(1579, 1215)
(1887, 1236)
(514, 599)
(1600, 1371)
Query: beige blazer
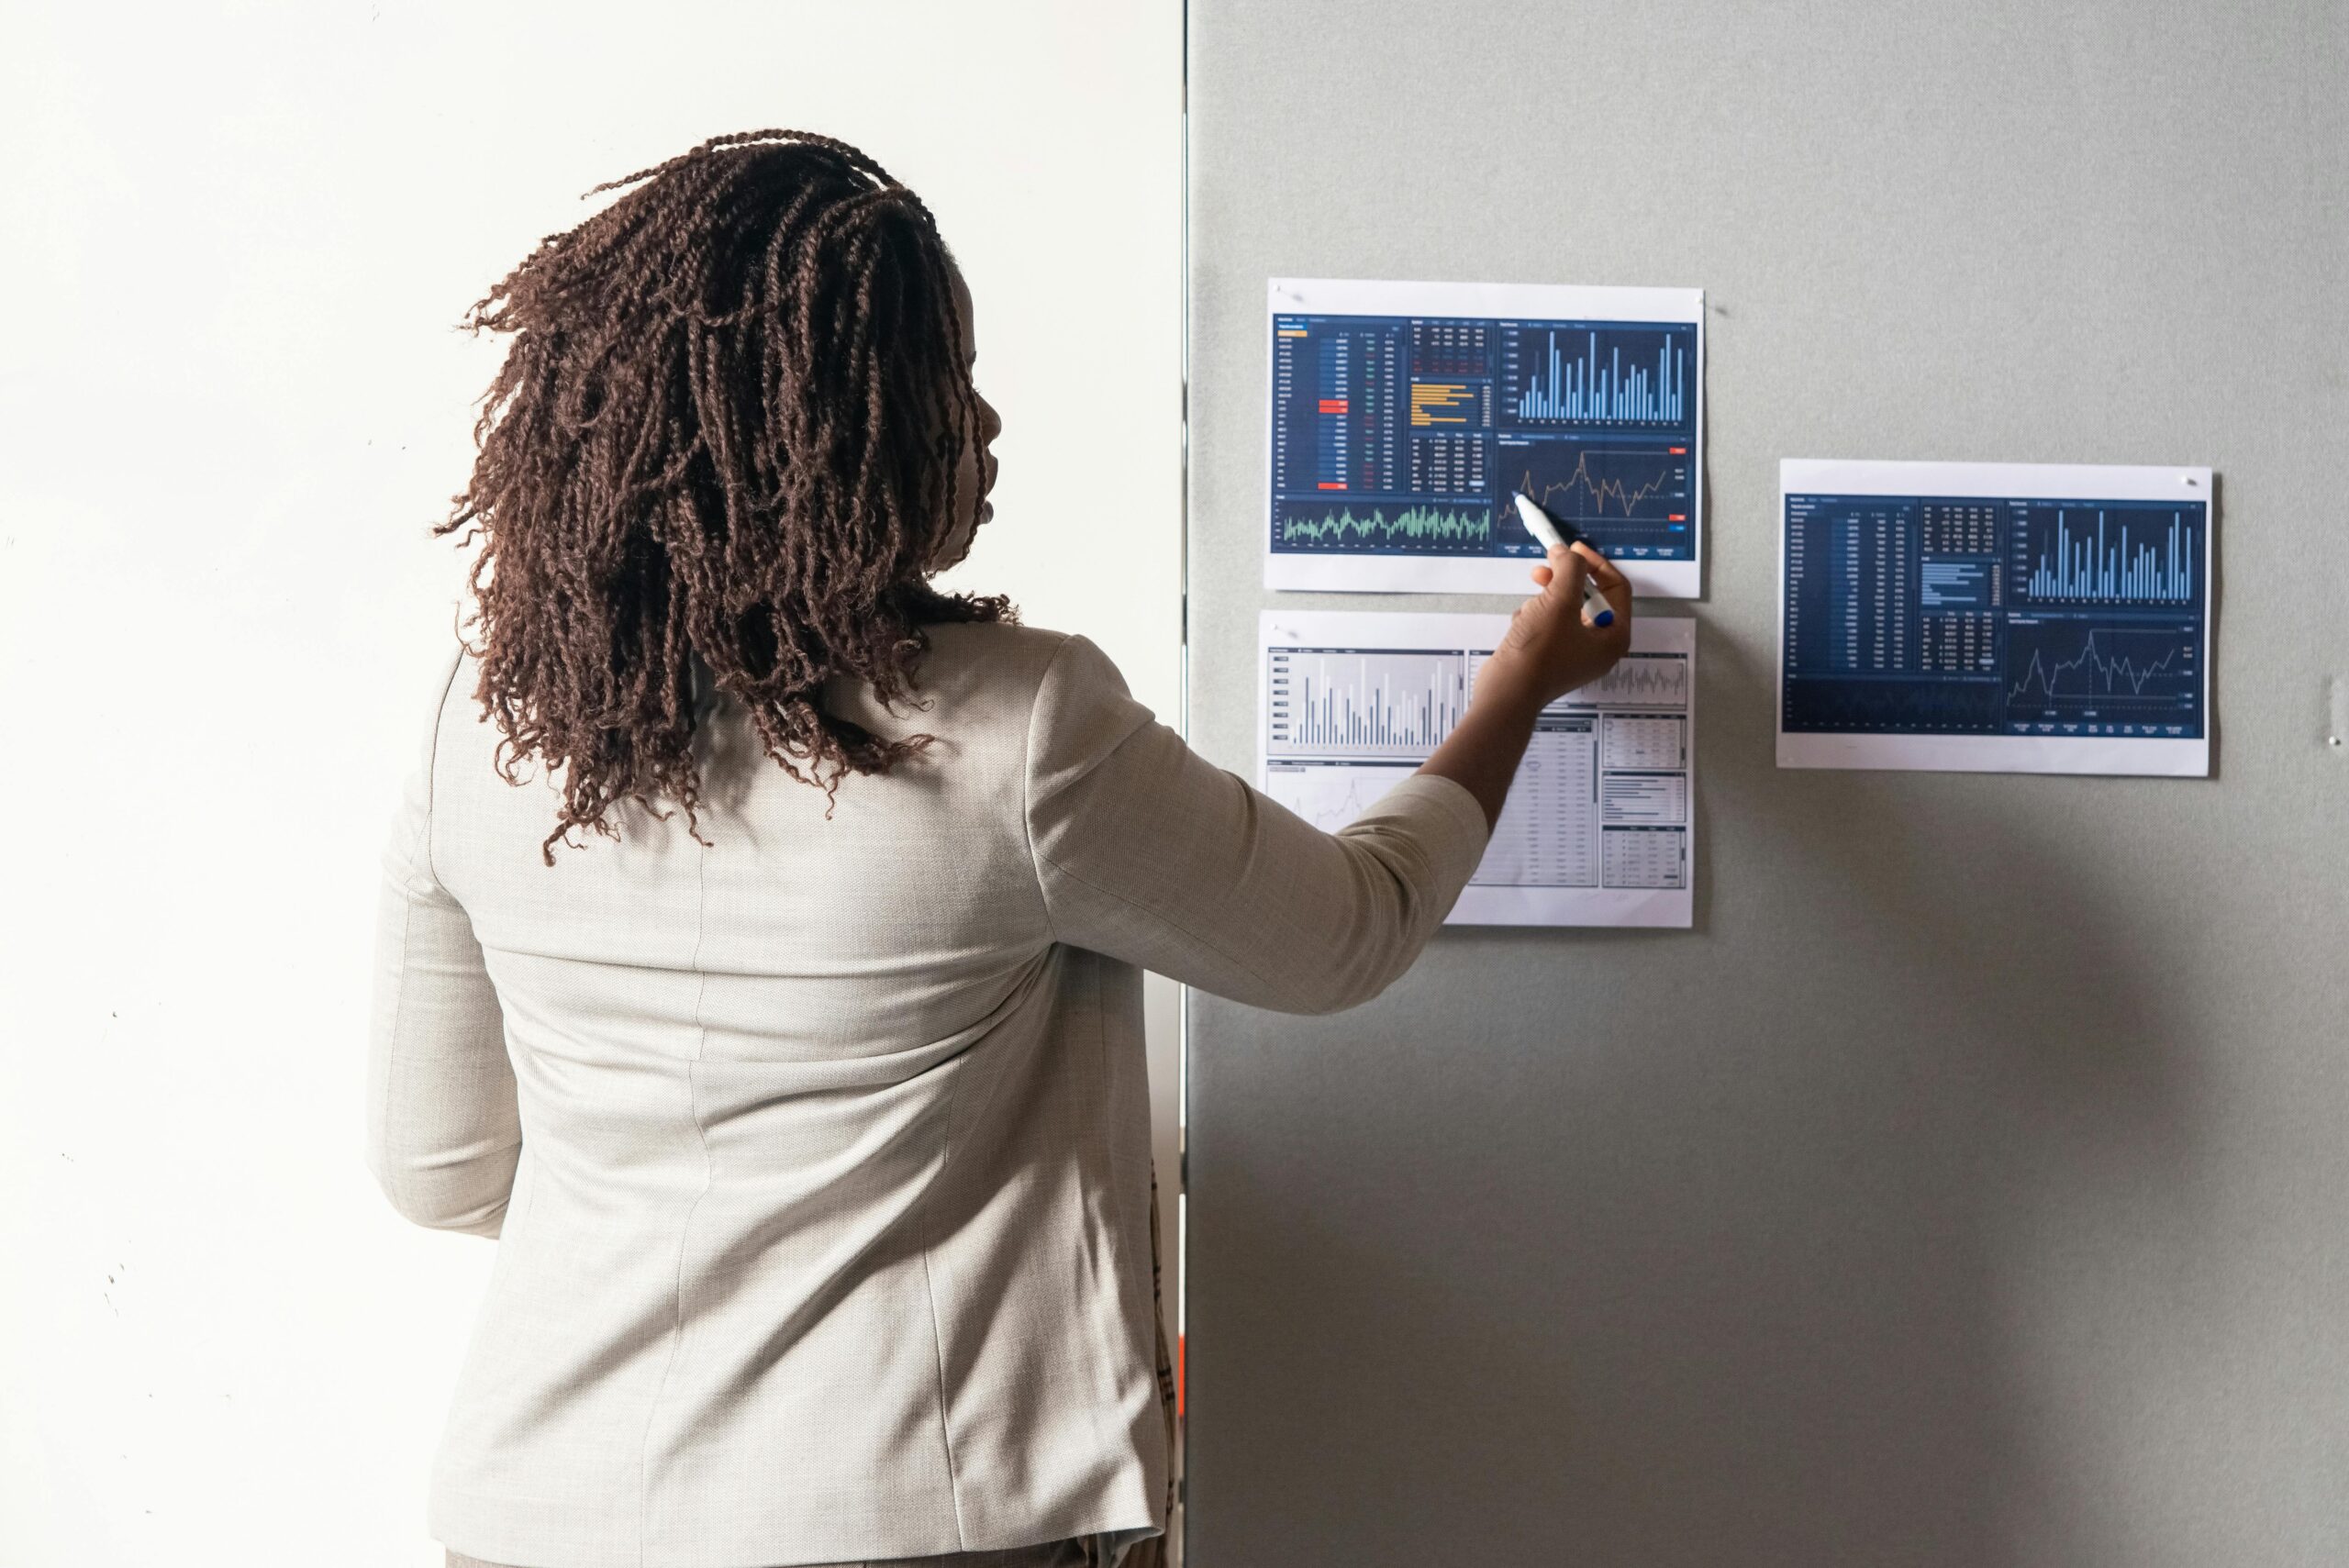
(820, 1158)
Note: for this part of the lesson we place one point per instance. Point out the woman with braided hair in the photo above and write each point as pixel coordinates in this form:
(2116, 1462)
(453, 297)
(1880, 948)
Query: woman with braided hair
(760, 946)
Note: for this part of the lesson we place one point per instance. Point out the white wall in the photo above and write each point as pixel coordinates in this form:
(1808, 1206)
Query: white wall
(234, 241)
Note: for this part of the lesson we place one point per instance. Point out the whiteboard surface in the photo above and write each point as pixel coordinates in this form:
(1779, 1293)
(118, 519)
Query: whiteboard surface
(1969, 1187)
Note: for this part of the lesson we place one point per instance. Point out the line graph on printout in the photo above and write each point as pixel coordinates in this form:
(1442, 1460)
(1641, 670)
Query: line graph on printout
(1628, 500)
(1638, 680)
(1432, 528)
(1330, 796)
(2078, 668)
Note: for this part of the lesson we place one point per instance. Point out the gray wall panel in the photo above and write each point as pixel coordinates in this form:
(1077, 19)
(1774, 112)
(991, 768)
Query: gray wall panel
(1969, 1187)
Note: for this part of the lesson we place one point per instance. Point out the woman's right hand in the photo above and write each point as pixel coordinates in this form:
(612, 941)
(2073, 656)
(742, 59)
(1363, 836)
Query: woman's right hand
(1549, 650)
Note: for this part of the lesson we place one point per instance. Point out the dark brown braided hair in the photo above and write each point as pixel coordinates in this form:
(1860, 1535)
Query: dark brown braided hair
(729, 424)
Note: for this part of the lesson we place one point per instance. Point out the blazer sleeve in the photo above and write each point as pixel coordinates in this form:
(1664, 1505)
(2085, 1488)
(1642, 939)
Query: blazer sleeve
(1148, 852)
(443, 1131)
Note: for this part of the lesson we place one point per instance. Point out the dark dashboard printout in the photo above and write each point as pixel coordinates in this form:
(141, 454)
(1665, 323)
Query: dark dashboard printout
(1988, 616)
(1401, 418)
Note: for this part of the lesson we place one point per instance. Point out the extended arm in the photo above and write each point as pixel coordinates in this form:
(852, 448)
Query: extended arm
(1147, 851)
(1547, 653)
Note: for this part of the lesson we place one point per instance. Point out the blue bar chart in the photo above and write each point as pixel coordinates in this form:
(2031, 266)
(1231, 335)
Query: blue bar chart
(1575, 381)
(2110, 555)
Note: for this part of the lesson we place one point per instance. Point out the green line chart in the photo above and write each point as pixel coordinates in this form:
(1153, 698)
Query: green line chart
(1445, 530)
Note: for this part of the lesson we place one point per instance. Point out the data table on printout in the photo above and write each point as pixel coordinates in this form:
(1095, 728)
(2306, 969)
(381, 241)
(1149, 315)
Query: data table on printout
(1597, 827)
(2023, 617)
(1402, 416)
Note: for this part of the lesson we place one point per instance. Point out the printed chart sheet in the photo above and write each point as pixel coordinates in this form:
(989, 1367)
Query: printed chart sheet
(2000, 617)
(1599, 830)
(1400, 415)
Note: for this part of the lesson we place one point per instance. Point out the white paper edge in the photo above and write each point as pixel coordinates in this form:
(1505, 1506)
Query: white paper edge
(2050, 481)
(1376, 297)
(2100, 755)
(1669, 909)
(2110, 754)
(1403, 574)
(1461, 574)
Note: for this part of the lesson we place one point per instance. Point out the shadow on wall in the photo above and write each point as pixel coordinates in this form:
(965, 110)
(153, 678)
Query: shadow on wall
(1613, 1287)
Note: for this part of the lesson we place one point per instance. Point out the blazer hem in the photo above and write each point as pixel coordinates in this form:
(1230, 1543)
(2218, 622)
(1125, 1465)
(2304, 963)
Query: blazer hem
(545, 1532)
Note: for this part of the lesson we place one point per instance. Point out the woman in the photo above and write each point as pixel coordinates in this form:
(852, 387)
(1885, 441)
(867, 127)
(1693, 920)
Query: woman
(806, 1097)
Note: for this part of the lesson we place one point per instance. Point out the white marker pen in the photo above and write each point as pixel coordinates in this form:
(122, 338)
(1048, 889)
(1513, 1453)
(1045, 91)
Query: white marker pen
(1596, 611)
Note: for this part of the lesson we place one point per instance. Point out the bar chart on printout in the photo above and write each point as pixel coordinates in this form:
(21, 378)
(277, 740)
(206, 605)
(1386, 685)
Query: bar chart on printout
(1596, 375)
(1403, 436)
(2107, 555)
(1596, 826)
(1363, 701)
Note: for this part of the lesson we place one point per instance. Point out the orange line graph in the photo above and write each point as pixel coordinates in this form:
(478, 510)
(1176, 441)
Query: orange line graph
(1599, 490)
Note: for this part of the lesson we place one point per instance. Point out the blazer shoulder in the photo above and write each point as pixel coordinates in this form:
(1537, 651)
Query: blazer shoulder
(993, 664)
(999, 643)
